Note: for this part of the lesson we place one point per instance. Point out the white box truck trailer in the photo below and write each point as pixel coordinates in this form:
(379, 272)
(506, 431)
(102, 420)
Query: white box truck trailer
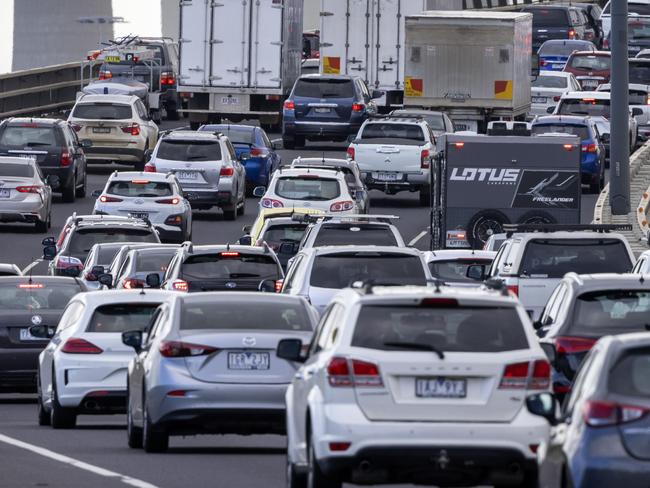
(239, 59)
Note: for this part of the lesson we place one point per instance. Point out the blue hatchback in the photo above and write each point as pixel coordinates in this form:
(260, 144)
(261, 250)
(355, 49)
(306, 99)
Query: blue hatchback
(592, 161)
(253, 148)
(554, 54)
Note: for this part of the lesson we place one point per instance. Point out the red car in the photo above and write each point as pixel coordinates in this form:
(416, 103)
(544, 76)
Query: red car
(591, 68)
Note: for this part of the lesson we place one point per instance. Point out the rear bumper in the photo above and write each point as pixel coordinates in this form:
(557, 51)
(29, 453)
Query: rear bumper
(408, 181)
(22, 217)
(207, 197)
(66, 175)
(257, 171)
(78, 379)
(102, 154)
(18, 368)
(316, 129)
(170, 234)
(218, 421)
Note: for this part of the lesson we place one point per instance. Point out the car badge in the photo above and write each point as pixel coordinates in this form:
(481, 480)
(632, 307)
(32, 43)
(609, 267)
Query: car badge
(249, 341)
(306, 204)
(387, 160)
(138, 201)
(231, 284)
(188, 165)
(36, 319)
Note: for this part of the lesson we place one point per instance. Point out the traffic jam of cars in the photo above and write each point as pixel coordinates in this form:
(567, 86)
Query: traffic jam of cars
(507, 344)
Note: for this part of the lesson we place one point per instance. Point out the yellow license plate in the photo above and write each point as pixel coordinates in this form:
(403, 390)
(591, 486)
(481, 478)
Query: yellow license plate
(112, 59)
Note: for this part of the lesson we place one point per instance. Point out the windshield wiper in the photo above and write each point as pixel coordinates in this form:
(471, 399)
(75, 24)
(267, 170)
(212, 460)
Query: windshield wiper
(37, 144)
(416, 347)
(194, 158)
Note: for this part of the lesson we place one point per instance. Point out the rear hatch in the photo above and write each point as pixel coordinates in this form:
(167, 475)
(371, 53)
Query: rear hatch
(140, 198)
(42, 142)
(196, 163)
(590, 70)
(106, 124)
(82, 240)
(14, 189)
(323, 99)
(550, 23)
(390, 150)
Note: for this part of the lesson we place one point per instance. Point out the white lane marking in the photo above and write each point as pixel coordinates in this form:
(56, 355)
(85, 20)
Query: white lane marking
(418, 237)
(31, 265)
(76, 463)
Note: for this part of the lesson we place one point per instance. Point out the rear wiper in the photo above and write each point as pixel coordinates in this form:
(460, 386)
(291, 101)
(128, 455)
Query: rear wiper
(194, 158)
(243, 275)
(38, 144)
(417, 347)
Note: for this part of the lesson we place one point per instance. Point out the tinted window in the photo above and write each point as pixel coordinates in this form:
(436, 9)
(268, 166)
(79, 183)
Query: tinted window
(140, 188)
(393, 131)
(577, 130)
(245, 314)
(548, 17)
(637, 8)
(435, 120)
(446, 329)
(103, 111)
(639, 73)
(342, 269)
(638, 97)
(301, 188)
(218, 266)
(591, 63)
(587, 106)
(106, 255)
(237, 135)
(563, 48)
(456, 269)
(153, 262)
(357, 235)
(36, 296)
(189, 151)
(277, 234)
(550, 82)
(554, 258)
(28, 135)
(84, 239)
(323, 88)
(17, 170)
(158, 55)
(631, 374)
(610, 312)
(7, 273)
(121, 317)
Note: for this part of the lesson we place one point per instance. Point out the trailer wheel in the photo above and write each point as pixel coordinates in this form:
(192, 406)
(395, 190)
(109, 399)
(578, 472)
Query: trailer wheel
(484, 224)
(537, 217)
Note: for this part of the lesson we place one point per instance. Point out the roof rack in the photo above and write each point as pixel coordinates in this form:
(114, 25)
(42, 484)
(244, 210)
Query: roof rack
(365, 286)
(312, 218)
(510, 229)
(396, 116)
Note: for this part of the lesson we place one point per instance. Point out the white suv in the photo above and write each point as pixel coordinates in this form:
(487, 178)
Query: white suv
(416, 385)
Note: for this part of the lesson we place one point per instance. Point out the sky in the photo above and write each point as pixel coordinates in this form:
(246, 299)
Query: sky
(142, 16)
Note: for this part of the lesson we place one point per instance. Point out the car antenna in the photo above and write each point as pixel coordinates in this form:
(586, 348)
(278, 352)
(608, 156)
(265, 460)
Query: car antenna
(323, 160)
(641, 279)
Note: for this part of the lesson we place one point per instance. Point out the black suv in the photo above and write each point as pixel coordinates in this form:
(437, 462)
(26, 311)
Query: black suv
(556, 22)
(56, 148)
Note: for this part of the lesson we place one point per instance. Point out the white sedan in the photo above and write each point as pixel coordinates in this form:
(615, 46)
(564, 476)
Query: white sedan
(547, 89)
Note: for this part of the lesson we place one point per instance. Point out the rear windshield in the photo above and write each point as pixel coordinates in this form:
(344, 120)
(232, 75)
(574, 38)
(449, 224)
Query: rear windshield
(277, 234)
(554, 258)
(342, 269)
(103, 111)
(591, 63)
(140, 188)
(36, 296)
(435, 121)
(301, 188)
(218, 266)
(576, 130)
(548, 17)
(28, 136)
(459, 329)
(120, 317)
(238, 136)
(455, 270)
(158, 55)
(563, 48)
(632, 8)
(631, 374)
(601, 313)
(393, 131)
(638, 97)
(550, 82)
(16, 170)
(8, 273)
(323, 88)
(360, 235)
(586, 106)
(639, 73)
(189, 151)
(84, 239)
(153, 261)
(245, 314)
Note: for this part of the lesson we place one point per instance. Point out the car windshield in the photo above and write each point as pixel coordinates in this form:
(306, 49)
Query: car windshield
(393, 131)
(550, 82)
(277, 234)
(120, 317)
(307, 188)
(588, 62)
(16, 170)
(358, 234)
(562, 48)
(442, 328)
(178, 150)
(571, 129)
(83, 240)
(36, 295)
(240, 314)
(27, 135)
(323, 88)
(600, 313)
(585, 106)
(455, 270)
(140, 188)
(630, 376)
(342, 269)
(639, 72)
(102, 111)
(153, 261)
(229, 265)
(553, 258)
(435, 120)
(548, 17)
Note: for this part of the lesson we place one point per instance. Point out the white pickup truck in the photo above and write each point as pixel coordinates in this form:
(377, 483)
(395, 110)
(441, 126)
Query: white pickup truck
(395, 154)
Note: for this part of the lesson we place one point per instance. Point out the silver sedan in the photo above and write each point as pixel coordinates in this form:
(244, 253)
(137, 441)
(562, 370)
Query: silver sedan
(208, 366)
(25, 194)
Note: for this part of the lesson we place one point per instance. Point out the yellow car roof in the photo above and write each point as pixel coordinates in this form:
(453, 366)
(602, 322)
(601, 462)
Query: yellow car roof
(269, 213)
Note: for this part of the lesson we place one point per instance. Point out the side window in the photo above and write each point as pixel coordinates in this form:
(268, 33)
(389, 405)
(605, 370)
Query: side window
(156, 324)
(71, 315)
(320, 331)
(293, 272)
(142, 111)
(123, 268)
(498, 259)
(584, 381)
(554, 304)
(329, 330)
(265, 140)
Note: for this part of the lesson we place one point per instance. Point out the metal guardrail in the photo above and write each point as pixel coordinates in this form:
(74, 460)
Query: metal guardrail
(44, 90)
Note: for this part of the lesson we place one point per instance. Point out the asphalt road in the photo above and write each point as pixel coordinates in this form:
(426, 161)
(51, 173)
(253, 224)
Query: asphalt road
(95, 454)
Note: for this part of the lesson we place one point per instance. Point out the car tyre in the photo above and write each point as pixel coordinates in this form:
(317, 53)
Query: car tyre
(61, 417)
(299, 141)
(425, 196)
(315, 477)
(68, 193)
(483, 224)
(294, 478)
(81, 191)
(230, 212)
(153, 439)
(288, 143)
(43, 414)
(242, 206)
(139, 166)
(42, 226)
(537, 217)
(133, 433)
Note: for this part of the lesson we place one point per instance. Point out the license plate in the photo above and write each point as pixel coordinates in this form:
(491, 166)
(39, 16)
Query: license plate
(101, 130)
(457, 243)
(589, 83)
(26, 336)
(440, 387)
(538, 99)
(322, 110)
(186, 175)
(254, 361)
(229, 101)
(5, 193)
(139, 215)
(388, 176)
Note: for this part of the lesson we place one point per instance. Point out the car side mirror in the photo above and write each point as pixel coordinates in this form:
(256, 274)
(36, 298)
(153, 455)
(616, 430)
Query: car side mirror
(351, 138)
(42, 331)
(97, 271)
(49, 252)
(153, 280)
(53, 181)
(377, 94)
(85, 143)
(96, 193)
(636, 111)
(147, 155)
(267, 286)
(247, 229)
(605, 138)
(49, 241)
(246, 241)
(288, 248)
(106, 280)
(550, 110)
(543, 405)
(291, 350)
(476, 272)
(133, 338)
(259, 191)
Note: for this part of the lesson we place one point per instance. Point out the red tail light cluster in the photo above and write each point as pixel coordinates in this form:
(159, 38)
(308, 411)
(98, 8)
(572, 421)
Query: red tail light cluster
(514, 289)
(342, 206)
(176, 220)
(604, 414)
(573, 345)
(169, 201)
(133, 129)
(572, 34)
(278, 285)
(180, 285)
(518, 376)
(76, 127)
(344, 372)
(107, 199)
(149, 168)
(178, 349)
(131, 283)
(589, 148)
(105, 75)
(350, 152)
(80, 346)
(358, 107)
(65, 159)
(29, 189)
(271, 203)
(424, 159)
(227, 171)
(289, 105)
(167, 78)
(257, 152)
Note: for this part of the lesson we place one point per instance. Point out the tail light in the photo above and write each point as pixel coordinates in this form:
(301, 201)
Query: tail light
(514, 289)
(106, 199)
(227, 171)
(80, 346)
(65, 159)
(257, 152)
(605, 43)
(167, 78)
(339, 446)
(647, 100)
(105, 75)
(342, 206)
(557, 98)
(65, 262)
(358, 107)
(589, 148)
(271, 203)
(603, 414)
(133, 129)
(289, 105)
(178, 349)
(278, 285)
(542, 62)
(541, 378)
(229, 254)
(131, 283)
(90, 277)
(350, 153)
(573, 345)
(76, 127)
(169, 201)
(572, 34)
(180, 285)
(515, 376)
(175, 220)
(424, 159)
(362, 373)
(29, 189)
(149, 168)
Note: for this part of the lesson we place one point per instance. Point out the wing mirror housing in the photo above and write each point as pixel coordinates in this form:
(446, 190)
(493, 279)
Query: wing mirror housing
(291, 350)
(106, 280)
(133, 338)
(543, 405)
(42, 331)
(259, 191)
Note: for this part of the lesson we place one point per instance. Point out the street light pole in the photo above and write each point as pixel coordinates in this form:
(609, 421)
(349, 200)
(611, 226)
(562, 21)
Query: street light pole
(619, 154)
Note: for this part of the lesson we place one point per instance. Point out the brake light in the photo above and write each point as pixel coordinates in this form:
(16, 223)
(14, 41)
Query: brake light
(515, 376)
(589, 148)
(178, 349)
(30, 286)
(271, 203)
(227, 171)
(541, 378)
(342, 206)
(350, 153)
(590, 100)
(29, 189)
(176, 393)
(80, 346)
(366, 374)
(169, 201)
(602, 414)
(65, 262)
(289, 105)
(180, 285)
(338, 372)
(105, 75)
(339, 446)
(459, 144)
(362, 373)
(573, 345)
(424, 159)
(131, 283)
(358, 107)
(176, 220)
(514, 289)
(647, 100)
(65, 159)
(167, 78)
(572, 34)
(278, 285)
(76, 127)
(149, 168)
(439, 302)
(257, 152)
(106, 199)
(140, 182)
(90, 277)
(557, 98)
(133, 129)
(542, 62)
(229, 254)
